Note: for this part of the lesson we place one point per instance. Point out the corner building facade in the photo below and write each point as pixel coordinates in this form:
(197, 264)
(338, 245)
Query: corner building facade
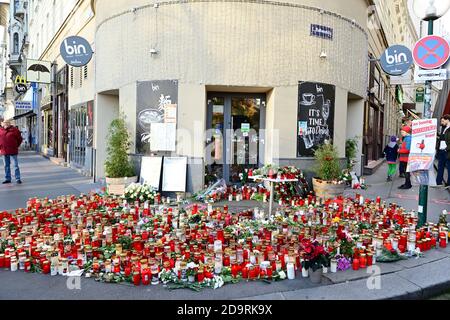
(235, 64)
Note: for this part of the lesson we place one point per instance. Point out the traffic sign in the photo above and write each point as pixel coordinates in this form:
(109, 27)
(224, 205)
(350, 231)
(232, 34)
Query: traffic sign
(421, 76)
(431, 52)
(396, 60)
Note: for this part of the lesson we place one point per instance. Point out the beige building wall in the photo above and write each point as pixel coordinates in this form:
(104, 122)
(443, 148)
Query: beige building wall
(80, 22)
(107, 109)
(198, 44)
(230, 46)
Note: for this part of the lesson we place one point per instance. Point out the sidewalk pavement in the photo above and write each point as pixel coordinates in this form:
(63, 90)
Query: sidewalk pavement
(438, 198)
(41, 178)
(410, 279)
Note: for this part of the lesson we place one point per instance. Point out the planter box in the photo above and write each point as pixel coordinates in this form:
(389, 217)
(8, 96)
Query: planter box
(316, 276)
(116, 186)
(327, 190)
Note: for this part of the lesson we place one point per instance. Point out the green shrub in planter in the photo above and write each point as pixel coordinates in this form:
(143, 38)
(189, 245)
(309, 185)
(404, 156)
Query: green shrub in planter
(118, 164)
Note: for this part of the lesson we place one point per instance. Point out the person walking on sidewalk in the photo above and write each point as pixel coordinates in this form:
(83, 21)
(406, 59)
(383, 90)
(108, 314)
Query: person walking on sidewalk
(404, 155)
(443, 151)
(391, 155)
(10, 141)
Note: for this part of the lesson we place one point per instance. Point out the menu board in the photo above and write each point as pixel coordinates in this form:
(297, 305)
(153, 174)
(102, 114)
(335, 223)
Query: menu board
(157, 103)
(316, 104)
(151, 171)
(163, 136)
(174, 174)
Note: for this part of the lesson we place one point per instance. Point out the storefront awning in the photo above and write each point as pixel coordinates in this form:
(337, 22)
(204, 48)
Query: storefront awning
(23, 115)
(409, 106)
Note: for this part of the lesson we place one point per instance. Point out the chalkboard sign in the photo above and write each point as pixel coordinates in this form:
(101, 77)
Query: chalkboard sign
(157, 102)
(316, 103)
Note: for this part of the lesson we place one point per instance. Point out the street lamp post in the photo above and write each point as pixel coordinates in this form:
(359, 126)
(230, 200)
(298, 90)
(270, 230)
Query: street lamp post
(428, 10)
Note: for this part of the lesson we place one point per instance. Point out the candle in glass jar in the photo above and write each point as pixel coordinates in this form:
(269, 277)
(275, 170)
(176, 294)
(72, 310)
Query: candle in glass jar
(245, 273)
(14, 264)
(290, 271)
(146, 276)
(442, 243)
(217, 245)
(333, 265)
(136, 278)
(355, 264)
(46, 267)
(155, 274)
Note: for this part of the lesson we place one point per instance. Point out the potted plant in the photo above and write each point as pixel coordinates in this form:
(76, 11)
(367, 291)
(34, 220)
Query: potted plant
(315, 259)
(119, 169)
(328, 183)
(351, 151)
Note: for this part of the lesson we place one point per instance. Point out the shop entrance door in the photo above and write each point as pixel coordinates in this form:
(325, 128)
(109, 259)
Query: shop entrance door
(235, 139)
(78, 133)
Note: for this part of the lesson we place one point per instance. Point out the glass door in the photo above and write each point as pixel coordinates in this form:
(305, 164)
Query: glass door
(78, 132)
(233, 143)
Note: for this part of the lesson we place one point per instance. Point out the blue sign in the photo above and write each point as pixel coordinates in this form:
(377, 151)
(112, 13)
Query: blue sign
(76, 51)
(322, 31)
(396, 60)
(24, 105)
(35, 96)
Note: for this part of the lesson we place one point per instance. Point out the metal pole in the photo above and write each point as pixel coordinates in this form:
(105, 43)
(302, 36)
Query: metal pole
(423, 191)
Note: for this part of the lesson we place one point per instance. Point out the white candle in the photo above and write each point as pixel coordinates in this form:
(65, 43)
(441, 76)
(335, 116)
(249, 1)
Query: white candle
(290, 271)
(217, 245)
(333, 266)
(305, 273)
(53, 269)
(230, 197)
(13, 265)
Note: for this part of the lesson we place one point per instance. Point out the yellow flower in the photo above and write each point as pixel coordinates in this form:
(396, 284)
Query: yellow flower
(336, 220)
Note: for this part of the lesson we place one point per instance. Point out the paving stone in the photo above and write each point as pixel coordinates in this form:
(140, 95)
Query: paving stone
(272, 296)
(433, 278)
(391, 287)
(351, 275)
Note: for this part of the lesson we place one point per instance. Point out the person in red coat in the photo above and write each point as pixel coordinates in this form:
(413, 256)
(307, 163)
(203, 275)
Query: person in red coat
(404, 155)
(10, 141)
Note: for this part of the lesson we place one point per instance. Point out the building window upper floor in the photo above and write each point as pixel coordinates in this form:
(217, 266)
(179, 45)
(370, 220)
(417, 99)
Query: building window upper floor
(16, 45)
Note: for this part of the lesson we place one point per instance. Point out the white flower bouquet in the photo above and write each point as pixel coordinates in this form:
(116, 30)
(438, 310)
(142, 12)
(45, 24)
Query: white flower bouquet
(140, 192)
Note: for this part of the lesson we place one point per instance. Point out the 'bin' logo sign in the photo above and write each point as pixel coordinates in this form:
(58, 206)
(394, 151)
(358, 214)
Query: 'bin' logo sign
(76, 51)
(396, 60)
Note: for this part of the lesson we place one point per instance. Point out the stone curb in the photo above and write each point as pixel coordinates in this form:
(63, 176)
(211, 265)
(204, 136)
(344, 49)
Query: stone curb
(420, 282)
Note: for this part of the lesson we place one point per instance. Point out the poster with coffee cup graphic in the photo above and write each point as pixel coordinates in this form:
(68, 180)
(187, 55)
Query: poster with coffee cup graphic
(316, 103)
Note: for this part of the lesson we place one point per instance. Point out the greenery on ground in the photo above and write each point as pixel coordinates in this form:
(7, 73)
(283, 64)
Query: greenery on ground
(118, 164)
